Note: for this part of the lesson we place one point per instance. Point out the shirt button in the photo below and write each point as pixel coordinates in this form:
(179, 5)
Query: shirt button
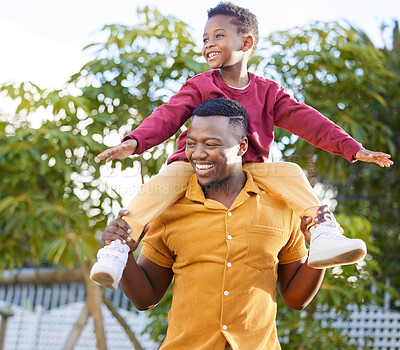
(224, 327)
(229, 237)
(229, 213)
(226, 293)
(229, 264)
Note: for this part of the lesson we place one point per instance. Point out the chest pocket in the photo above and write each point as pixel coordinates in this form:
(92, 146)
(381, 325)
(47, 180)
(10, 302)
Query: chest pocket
(264, 245)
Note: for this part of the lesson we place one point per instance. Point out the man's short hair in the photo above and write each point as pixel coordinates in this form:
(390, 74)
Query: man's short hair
(231, 109)
(245, 21)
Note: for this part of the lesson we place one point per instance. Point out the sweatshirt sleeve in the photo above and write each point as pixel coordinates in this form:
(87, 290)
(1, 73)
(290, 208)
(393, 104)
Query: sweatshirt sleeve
(306, 122)
(166, 120)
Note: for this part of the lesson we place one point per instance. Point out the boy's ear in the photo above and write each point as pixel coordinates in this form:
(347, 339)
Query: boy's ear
(248, 43)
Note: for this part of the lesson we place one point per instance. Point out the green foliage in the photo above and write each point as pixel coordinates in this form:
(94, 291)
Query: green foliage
(302, 330)
(41, 172)
(375, 192)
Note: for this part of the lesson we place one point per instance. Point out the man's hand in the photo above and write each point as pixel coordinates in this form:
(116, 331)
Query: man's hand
(122, 151)
(119, 229)
(306, 220)
(382, 159)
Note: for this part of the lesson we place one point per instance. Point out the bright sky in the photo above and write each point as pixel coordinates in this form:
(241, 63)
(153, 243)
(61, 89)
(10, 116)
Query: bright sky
(42, 40)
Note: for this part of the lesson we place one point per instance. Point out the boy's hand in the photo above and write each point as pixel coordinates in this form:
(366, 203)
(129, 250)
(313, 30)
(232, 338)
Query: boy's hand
(382, 159)
(119, 229)
(122, 151)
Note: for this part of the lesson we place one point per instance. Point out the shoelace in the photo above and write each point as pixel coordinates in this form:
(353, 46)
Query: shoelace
(115, 251)
(330, 221)
(330, 235)
(116, 259)
(117, 245)
(329, 218)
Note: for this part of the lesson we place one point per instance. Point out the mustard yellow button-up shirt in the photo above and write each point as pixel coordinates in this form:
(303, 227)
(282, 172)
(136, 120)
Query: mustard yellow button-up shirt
(225, 264)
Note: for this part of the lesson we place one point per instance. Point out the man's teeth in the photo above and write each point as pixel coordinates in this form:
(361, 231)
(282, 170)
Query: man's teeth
(204, 166)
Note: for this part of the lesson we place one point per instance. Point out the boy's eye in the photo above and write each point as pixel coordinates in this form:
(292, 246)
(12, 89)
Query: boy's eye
(205, 41)
(219, 36)
(211, 145)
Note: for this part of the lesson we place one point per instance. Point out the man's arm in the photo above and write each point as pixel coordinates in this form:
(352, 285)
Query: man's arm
(143, 282)
(298, 283)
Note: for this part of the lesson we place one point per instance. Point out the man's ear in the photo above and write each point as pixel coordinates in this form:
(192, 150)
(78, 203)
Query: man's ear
(248, 43)
(243, 145)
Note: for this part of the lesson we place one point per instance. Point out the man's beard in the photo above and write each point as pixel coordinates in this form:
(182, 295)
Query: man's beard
(214, 185)
(208, 186)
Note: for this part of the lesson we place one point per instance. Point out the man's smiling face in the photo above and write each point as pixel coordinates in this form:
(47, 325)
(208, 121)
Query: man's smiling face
(213, 149)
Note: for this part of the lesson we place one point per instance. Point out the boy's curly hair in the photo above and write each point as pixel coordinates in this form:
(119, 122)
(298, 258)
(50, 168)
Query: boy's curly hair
(245, 21)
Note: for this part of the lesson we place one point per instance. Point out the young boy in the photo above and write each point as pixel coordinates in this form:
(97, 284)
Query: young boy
(230, 38)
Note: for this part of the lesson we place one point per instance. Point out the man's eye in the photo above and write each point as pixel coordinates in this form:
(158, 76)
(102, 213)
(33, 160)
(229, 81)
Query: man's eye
(211, 145)
(219, 36)
(205, 41)
(189, 144)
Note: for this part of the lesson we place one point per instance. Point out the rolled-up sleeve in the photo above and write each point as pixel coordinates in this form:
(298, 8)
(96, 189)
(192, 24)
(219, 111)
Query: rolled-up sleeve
(295, 248)
(154, 246)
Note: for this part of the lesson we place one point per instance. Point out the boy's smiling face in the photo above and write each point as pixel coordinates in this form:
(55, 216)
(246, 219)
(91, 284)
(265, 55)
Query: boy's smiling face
(223, 46)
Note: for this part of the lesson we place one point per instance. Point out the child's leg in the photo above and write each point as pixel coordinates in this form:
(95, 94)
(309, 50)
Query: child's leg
(158, 194)
(327, 247)
(289, 181)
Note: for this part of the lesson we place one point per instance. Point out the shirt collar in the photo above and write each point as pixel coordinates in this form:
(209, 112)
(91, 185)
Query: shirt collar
(196, 194)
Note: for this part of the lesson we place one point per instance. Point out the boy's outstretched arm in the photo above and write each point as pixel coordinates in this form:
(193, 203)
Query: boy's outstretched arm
(382, 159)
(121, 151)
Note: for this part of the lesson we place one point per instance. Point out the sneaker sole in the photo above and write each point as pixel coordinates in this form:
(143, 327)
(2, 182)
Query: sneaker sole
(347, 258)
(103, 279)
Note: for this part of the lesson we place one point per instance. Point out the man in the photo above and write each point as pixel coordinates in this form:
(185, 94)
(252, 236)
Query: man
(227, 244)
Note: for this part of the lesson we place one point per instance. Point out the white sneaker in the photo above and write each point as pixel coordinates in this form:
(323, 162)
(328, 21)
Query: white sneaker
(328, 247)
(111, 262)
